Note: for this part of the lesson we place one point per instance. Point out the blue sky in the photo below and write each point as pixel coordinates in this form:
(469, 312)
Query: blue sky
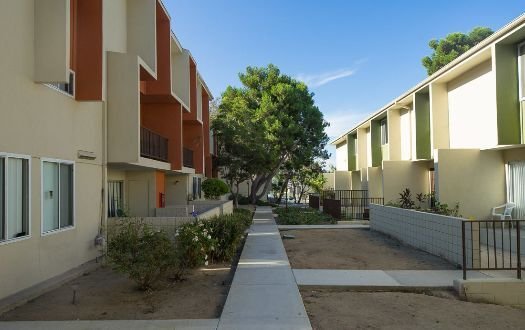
(355, 55)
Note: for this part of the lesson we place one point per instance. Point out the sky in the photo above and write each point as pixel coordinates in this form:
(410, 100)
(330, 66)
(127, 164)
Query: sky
(356, 56)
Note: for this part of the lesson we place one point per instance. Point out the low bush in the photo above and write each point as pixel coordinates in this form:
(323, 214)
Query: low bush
(214, 188)
(141, 253)
(426, 203)
(302, 216)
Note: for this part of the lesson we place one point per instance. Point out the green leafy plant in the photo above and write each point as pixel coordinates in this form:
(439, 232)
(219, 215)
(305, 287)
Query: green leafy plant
(141, 253)
(405, 199)
(302, 216)
(214, 188)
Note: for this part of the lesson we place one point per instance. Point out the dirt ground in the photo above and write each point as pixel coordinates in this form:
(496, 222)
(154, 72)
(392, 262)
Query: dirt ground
(107, 295)
(397, 310)
(355, 249)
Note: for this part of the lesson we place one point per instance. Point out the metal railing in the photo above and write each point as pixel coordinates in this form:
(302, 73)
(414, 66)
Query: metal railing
(492, 245)
(153, 145)
(187, 158)
(354, 204)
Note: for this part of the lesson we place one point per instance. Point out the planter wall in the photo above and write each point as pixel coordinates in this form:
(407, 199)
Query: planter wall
(436, 234)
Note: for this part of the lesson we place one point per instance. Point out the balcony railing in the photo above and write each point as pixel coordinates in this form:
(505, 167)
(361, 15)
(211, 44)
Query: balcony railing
(153, 145)
(187, 158)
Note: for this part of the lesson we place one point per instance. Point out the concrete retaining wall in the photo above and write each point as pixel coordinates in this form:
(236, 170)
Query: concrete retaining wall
(437, 234)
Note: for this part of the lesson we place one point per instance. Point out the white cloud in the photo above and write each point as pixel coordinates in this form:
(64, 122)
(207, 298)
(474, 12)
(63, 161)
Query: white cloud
(317, 80)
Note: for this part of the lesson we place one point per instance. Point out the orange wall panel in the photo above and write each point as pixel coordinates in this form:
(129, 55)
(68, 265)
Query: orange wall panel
(160, 188)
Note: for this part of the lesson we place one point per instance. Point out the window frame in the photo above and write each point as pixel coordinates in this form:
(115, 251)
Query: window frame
(384, 134)
(521, 72)
(56, 86)
(6, 156)
(59, 229)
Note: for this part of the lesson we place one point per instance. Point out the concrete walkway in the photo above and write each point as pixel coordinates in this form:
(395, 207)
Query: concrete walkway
(264, 294)
(302, 227)
(383, 279)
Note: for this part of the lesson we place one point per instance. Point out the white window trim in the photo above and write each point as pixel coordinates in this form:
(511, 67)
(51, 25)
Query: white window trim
(59, 230)
(6, 155)
(520, 73)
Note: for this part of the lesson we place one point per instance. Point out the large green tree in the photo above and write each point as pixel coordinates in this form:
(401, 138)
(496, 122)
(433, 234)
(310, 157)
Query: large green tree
(452, 46)
(268, 121)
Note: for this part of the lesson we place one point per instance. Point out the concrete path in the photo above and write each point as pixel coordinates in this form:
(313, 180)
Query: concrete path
(382, 279)
(210, 324)
(302, 227)
(264, 294)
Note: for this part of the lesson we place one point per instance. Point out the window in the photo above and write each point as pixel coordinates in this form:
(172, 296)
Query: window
(57, 195)
(115, 199)
(14, 197)
(197, 189)
(384, 131)
(521, 69)
(69, 87)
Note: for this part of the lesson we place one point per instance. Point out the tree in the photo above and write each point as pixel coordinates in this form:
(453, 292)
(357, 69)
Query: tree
(267, 122)
(214, 188)
(307, 179)
(452, 46)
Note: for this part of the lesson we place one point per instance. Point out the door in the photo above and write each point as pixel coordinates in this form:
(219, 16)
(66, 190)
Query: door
(50, 196)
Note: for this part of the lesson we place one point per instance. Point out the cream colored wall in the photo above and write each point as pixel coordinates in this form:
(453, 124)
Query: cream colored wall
(398, 175)
(181, 75)
(177, 189)
(368, 147)
(51, 36)
(342, 180)
(375, 182)
(330, 181)
(362, 150)
(475, 179)
(115, 25)
(123, 108)
(406, 134)
(472, 109)
(355, 180)
(514, 154)
(141, 193)
(199, 100)
(341, 157)
(394, 134)
(43, 123)
(141, 31)
(439, 116)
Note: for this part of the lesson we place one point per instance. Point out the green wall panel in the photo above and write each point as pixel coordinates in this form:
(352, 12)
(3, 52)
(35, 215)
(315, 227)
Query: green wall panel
(375, 131)
(507, 94)
(352, 153)
(422, 108)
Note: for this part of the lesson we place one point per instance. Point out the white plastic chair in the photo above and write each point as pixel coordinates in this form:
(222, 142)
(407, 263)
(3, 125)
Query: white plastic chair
(507, 212)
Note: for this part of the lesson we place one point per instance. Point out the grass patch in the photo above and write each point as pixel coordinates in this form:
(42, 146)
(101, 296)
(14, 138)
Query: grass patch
(302, 216)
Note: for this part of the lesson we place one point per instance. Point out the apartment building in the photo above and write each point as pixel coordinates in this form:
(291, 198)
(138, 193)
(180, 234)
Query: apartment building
(103, 111)
(460, 133)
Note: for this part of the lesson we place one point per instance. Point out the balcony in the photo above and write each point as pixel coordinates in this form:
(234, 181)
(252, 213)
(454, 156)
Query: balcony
(187, 158)
(153, 145)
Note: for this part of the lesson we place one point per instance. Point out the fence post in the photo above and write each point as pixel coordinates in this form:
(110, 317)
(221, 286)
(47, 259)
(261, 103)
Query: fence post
(463, 249)
(518, 243)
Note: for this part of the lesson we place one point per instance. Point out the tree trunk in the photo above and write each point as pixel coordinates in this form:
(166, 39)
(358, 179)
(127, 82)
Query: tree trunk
(283, 187)
(236, 195)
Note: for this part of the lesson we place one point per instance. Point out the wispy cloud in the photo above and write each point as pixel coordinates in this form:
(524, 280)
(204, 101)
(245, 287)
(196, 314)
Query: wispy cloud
(320, 79)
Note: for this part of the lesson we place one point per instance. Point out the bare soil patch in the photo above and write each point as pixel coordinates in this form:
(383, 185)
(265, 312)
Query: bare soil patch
(398, 310)
(355, 249)
(107, 295)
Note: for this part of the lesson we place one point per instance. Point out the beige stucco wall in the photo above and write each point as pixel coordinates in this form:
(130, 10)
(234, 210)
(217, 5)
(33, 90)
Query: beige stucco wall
(514, 154)
(330, 181)
(474, 178)
(180, 74)
(394, 134)
(472, 109)
(398, 175)
(341, 157)
(342, 180)
(355, 180)
(141, 31)
(439, 116)
(375, 182)
(41, 122)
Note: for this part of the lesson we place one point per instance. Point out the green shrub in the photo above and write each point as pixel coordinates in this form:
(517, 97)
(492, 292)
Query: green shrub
(141, 253)
(214, 188)
(194, 242)
(302, 216)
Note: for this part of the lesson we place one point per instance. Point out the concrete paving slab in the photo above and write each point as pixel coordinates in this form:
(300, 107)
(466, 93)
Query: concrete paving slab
(430, 278)
(264, 301)
(347, 278)
(113, 325)
(264, 276)
(306, 227)
(258, 323)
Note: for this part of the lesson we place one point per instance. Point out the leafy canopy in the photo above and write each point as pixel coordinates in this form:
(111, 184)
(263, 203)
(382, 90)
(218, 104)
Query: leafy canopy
(452, 46)
(269, 120)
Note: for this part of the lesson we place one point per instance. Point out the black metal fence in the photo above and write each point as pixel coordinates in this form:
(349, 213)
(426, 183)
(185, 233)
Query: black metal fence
(493, 245)
(354, 204)
(333, 208)
(153, 145)
(314, 201)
